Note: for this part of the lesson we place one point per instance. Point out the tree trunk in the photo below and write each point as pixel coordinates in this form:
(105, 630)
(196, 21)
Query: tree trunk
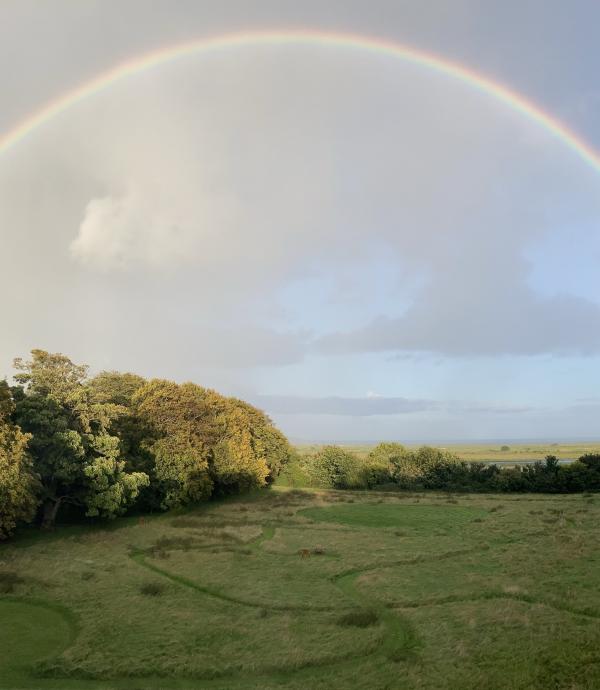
(51, 507)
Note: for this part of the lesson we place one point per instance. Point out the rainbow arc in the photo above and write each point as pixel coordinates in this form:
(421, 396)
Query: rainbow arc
(454, 70)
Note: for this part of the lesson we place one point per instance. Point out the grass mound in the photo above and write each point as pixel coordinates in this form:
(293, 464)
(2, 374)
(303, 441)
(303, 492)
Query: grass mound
(28, 633)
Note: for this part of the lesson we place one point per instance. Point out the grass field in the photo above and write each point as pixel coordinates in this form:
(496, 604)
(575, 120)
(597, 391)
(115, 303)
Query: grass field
(312, 589)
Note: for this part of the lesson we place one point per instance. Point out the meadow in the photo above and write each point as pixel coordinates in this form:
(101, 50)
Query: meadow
(311, 588)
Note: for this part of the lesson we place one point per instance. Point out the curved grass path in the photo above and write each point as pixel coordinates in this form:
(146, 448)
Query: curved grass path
(49, 630)
(493, 595)
(399, 641)
(268, 532)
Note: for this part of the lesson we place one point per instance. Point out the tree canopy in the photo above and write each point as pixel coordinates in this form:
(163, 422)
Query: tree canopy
(117, 441)
(18, 486)
(74, 454)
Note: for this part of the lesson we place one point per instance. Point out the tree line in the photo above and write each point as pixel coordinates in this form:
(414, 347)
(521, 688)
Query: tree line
(105, 445)
(393, 466)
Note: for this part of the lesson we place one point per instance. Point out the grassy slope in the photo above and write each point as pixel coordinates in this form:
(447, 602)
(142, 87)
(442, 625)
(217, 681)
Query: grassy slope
(467, 592)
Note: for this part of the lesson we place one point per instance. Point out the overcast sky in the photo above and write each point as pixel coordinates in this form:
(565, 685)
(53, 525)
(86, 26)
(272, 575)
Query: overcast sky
(363, 248)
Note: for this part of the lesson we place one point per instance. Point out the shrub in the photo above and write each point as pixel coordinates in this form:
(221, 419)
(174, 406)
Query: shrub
(374, 473)
(8, 581)
(333, 467)
(152, 589)
(359, 619)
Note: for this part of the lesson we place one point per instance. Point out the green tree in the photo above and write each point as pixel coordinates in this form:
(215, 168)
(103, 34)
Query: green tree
(133, 432)
(337, 468)
(408, 467)
(115, 387)
(202, 442)
(74, 453)
(250, 451)
(399, 460)
(181, 432)
(18, 499)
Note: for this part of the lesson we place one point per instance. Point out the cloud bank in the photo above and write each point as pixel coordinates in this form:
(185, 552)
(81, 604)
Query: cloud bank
(374, 406)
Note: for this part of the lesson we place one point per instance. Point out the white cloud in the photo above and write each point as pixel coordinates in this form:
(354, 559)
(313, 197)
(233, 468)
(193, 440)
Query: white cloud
(133, 230)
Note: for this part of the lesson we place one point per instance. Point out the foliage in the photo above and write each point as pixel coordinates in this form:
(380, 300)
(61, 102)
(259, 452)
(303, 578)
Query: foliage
(133, 432)
(336, 468)
(18, 499)
(250, 452)
(391, 462)
(203, 443)
(116, 440)
(74, 454)
(391, 465)
(115, 387)
(106, 443)
(359, 619)
(152, 589)
(295, 472)
(182, 430)
(389, 454)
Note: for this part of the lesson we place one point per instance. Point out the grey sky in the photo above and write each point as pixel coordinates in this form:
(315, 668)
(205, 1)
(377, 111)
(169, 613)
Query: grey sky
(302, 226)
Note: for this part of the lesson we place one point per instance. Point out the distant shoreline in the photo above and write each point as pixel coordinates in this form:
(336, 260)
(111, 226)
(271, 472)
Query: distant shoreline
(454, 442)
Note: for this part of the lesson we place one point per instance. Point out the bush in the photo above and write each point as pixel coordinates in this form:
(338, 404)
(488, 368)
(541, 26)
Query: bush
(392, 466)
(359, 619)
(8, 581)
(335, 468)
(295, 473)
(152, 589)
(374, 473)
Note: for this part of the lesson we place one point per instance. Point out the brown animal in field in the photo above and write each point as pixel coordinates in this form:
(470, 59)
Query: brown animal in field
(141, 520)
(304, 553)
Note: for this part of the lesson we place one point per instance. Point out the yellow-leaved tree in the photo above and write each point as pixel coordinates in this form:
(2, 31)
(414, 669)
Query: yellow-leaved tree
(18, 499)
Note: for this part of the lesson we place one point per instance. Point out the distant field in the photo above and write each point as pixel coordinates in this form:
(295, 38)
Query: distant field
(490, 453)
(312, 589)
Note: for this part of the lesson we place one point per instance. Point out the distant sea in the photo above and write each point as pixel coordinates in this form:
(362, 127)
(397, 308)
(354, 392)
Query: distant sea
(451, 442)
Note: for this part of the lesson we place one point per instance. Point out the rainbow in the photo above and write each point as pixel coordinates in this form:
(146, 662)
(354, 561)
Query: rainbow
(308, 37)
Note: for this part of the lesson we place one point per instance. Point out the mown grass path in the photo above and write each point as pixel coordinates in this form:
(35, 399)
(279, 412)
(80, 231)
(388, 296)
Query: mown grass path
(399, 641)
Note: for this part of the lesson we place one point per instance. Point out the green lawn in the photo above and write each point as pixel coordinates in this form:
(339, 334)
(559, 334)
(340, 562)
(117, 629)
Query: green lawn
(421, 518)
(393, 591)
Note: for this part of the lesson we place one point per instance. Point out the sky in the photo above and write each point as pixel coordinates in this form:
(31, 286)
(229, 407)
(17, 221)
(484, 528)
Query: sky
(363, 248)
